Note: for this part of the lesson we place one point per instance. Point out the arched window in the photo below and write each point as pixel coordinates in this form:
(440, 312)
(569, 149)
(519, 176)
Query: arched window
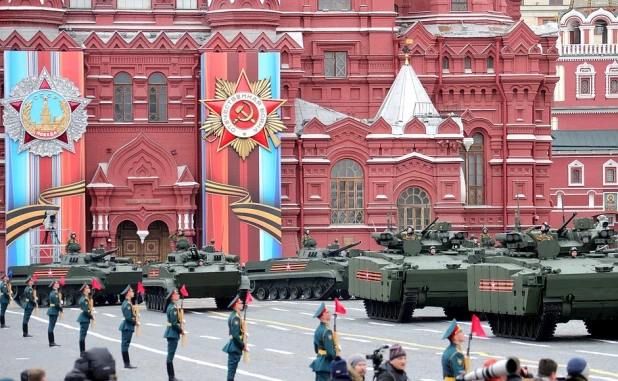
(347, 193)
(445, 65)
(490, 64)
(600, 32)
(609, 172)
(584, 85)
(413, 208)
(473, 168)
(576, 173)
(157, 98)
(468, 65)
(611, 80)
(123, 98)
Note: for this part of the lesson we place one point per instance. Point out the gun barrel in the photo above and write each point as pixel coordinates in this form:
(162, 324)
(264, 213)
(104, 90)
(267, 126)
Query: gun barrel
(232, 258)
(429, 226)
(564, 225)
(337, 251)
(96, 257)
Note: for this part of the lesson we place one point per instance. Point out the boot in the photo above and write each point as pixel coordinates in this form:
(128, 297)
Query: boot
(3, 322)
(82, 347)
(170, 372)
(25, 329)
(52, 341)
(127, 361)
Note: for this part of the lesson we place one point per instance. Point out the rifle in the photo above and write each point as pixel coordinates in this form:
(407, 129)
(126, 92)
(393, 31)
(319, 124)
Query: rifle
(243, 326)
(36, 301)
(91, 311)
(135, 311)
(181, 317)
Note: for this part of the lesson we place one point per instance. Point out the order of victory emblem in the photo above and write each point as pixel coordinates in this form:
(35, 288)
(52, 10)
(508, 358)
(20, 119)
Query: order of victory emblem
(45, 114)
(243, 115)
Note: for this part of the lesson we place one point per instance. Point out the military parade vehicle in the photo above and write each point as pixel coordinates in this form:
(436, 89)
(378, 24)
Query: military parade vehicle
(205, 273)
(585, 236)
(316, 274)
(405, 275)
(527, 292)
(78, 268)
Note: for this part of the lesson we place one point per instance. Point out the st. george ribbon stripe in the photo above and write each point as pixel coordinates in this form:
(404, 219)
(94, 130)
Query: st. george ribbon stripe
(19, 221)
(261, 216)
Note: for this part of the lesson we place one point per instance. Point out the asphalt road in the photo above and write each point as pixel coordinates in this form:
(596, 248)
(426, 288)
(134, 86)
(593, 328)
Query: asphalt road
(281, 343)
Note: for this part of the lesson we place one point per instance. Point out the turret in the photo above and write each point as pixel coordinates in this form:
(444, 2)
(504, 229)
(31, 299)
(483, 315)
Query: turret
(333, 252)
(85, 258)
(424, 231)
(562, 228)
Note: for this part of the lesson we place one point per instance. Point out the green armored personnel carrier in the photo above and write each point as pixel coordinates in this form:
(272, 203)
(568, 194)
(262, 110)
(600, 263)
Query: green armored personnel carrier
(527, 292)
(316, 274)
(205, 273)
(78, 268)
(404, 276)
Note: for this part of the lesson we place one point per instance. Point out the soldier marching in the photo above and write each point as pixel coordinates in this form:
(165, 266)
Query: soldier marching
(127, 327)
(30, 303)
(54, 310)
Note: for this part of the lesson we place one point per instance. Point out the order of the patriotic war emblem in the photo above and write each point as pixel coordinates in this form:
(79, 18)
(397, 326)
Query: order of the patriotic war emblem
(45, 114)
(243, 115)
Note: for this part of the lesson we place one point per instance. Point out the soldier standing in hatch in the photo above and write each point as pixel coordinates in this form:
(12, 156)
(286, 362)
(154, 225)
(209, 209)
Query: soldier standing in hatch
(235, 347)
(72, 240)
(453, 358)
(408, 234)
(486, 239)
(53, 312)
(29, 304)
(180, 234)
(127, 327)
(323, 344)
(543, 236)
(5, 299)
(306, 237)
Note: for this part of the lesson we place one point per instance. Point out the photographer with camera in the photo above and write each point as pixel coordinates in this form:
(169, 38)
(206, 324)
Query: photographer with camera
(357, 366)
(394, 369)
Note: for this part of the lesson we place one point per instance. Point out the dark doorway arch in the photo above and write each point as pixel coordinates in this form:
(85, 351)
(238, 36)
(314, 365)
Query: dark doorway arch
(155, 246)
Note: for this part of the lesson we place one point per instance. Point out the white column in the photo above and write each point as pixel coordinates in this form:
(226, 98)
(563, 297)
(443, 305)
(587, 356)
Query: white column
(186, 221)
(94, 224)
(106, 222)
(179, 221)
(100, 221)
(191, 220)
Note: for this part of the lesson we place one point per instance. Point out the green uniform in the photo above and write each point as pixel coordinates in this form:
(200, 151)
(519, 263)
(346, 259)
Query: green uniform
(172, 332)
(53, 311)
(324, 346)
(69, 243)
(28, 305)
(539, 236)
(304, 239)
(84, 320)
(486, 239)
(452, 362)
(409, 237)
(127, 327)
(5, 299)
(235, 346)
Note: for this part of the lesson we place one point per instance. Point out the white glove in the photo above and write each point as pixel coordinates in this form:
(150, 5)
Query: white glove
(247, 335)
(339, 347)
(184, 321)
(247, 349)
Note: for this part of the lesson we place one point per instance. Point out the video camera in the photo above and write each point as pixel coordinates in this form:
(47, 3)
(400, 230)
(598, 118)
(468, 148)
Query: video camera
(377, 357)
(508, 367)
(50, 221)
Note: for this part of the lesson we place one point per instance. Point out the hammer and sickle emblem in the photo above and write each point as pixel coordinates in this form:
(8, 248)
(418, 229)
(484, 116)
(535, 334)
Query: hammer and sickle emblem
(240, 110)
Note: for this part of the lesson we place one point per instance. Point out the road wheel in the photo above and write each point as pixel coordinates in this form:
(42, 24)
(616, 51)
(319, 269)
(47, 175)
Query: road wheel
(274, 293)
(295, 293)
(69, 299)
(307, 292)
(318, 291)
(284, 293)
(261, 293)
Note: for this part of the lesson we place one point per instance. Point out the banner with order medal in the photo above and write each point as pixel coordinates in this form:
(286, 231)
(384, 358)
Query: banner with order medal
(241, 158)
(44, 115)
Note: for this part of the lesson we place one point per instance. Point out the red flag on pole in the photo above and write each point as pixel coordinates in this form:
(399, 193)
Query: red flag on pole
(140, 288)
(95, 284)
(339, 307)
(183, 291)
(249, 298)
(477, 328)
(62, 282)
(35, 277)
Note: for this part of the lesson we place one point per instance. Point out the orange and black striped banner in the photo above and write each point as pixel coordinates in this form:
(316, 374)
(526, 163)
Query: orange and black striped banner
(19, 221)
(264, 217)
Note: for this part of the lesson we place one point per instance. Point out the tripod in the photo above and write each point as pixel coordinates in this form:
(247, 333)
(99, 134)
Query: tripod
(54, 236)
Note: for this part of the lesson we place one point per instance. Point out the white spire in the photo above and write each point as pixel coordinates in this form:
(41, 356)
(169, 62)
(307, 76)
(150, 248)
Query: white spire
(405, 99)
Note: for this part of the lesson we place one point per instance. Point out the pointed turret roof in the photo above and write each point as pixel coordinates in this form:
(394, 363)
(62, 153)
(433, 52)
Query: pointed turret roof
(406, 99)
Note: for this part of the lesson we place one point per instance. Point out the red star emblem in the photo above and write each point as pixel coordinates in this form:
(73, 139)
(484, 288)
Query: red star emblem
(50, 273)
(288, 267)
(243, 115)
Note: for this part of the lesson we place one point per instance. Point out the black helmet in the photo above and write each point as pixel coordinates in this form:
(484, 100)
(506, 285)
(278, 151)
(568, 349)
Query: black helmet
(410, 227)
(432, 248)
(573, 249)
(306, 231)
(485, 228)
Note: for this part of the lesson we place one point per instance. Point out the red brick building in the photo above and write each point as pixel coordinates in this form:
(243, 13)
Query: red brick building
(465, 130)
(584, 113)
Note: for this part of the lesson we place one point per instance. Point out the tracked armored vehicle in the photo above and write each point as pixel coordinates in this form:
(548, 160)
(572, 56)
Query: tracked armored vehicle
(205, 273)
(316, 274)
(404, 276)
(585, 236)
(527, 292)
(78, 268)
